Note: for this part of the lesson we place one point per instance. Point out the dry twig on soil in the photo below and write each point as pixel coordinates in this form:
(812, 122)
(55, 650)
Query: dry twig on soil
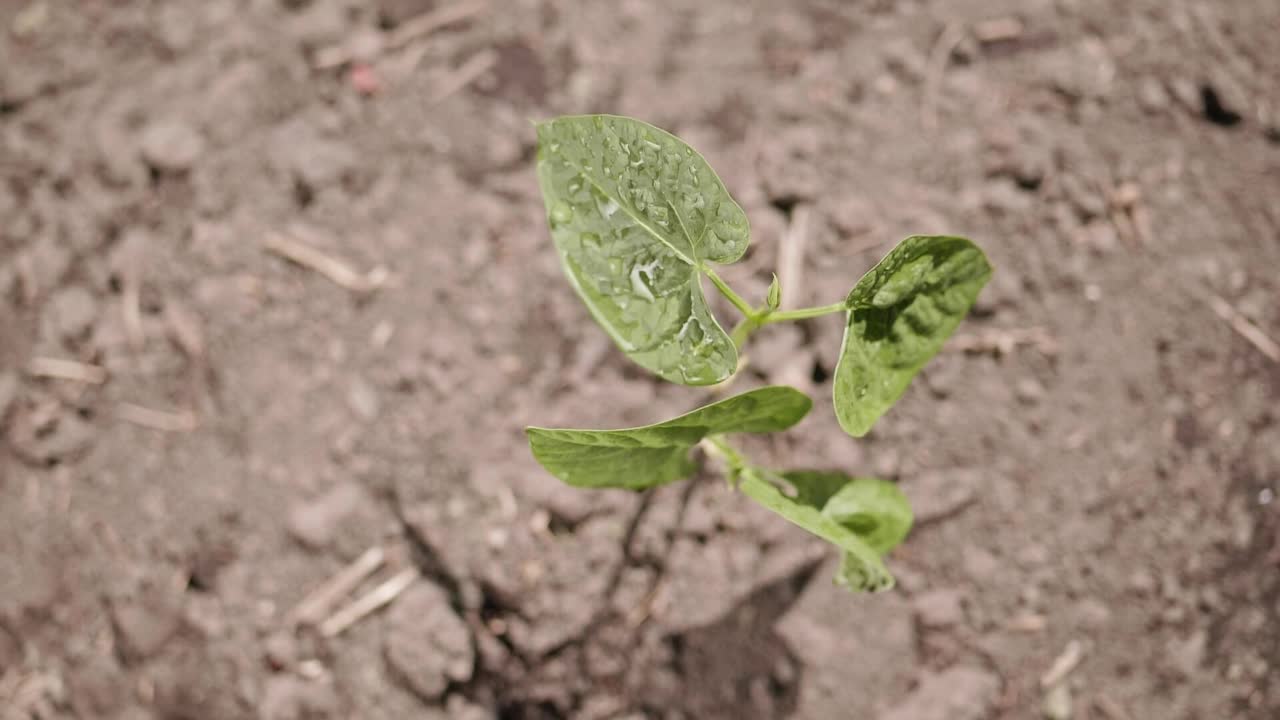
(1027, 623)
(938, 58)
(61, 369)
(1111, 709)
(366, 604)
(1001, 29)
(131, 309)
(1129, 214)
(1067, 661)
(327, 265)
(184, 329)
(1002, 341)
(315, 606)
(465, 74)
(1243, 327)
(162, 420)
(408, 32)
(791, 256)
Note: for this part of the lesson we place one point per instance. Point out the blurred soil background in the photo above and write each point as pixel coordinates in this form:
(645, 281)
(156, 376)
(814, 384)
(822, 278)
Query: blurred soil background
(277, 299)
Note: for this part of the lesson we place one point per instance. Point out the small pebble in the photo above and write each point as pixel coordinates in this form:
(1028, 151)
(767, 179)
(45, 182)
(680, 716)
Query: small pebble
(280, 650)
(314, 523)
(363, 400)
(1092, 613)
(1142, 583)
(170, 146)
(69, 314)
(1152, 96)
(1187, 655)
(1029, 391)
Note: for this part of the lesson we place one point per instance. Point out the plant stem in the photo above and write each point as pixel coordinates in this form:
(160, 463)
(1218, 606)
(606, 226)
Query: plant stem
(802, 313)
(753, 318)
(721, 448)
(738, 301)
(736, 466)
(743, 330)
(732, 463)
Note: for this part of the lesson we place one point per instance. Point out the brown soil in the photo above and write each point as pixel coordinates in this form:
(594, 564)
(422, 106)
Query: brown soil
(1095, 457)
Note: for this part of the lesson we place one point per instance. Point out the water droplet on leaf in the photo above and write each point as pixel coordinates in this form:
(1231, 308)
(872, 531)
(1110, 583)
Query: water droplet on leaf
(561, 214)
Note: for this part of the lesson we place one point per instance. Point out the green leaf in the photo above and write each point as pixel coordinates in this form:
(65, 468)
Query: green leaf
(643, 457)
(815, 487)
(861, 567)
(874, 509)
(773, 298)
(899, 315)
(634, 213)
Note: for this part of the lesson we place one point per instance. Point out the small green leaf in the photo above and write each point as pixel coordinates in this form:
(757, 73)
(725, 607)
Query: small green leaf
(860, 568)
(899, 315)
(634, 213)
(774, 298)
(643, 457)
(815, 487)
(875, 509)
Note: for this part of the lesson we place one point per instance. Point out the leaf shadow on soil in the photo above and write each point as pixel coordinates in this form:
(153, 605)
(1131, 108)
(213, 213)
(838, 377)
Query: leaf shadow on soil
(737, 667)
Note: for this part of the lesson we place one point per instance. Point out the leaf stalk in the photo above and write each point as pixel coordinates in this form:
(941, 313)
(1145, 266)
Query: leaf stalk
(738, 301)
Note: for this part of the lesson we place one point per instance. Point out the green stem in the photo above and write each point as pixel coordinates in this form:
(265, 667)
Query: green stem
(742, 331)
(727, 452)
(733, 464)
(738, 301)
(736, 465)
(802, 313)
(753, 318)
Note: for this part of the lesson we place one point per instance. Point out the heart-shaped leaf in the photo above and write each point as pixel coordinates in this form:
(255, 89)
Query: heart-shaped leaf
(861, 567)
(634, 213)
(644, 457)
(899, 315)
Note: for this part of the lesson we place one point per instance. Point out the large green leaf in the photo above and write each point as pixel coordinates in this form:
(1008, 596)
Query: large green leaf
(899, 315)
(861, 567)
(634, 212)
(643, 457)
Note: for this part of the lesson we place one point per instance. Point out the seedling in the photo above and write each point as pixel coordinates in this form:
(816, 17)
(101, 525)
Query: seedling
(638, 219)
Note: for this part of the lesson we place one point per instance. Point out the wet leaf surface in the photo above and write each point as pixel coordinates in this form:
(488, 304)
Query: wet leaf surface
(643, 457)
(900, 313)
(634, 212)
